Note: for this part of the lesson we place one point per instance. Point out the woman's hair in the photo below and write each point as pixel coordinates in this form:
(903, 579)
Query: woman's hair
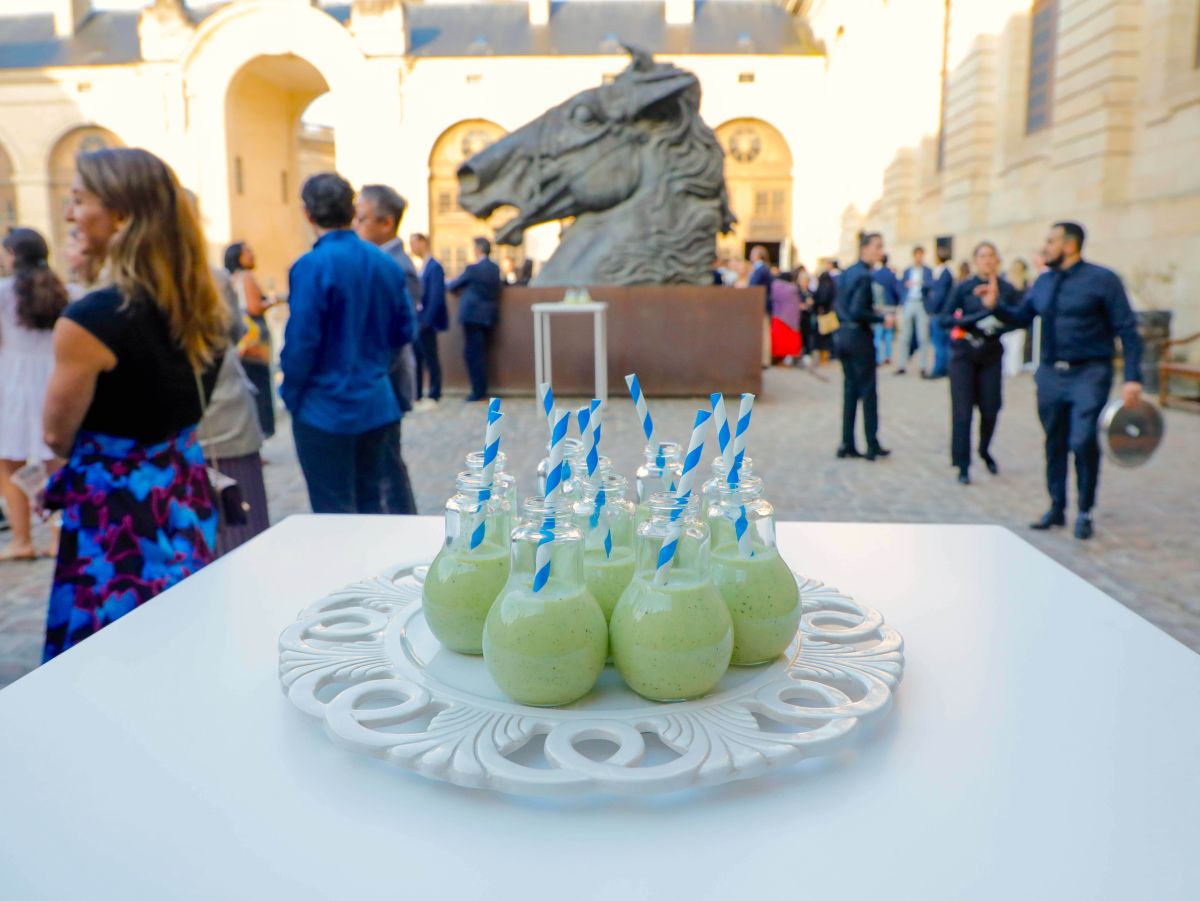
(983, 244)
(41, 297)
(233, 256)
(157, 254)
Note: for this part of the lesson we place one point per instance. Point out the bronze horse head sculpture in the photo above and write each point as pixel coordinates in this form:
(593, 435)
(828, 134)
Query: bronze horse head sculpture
(632, 162)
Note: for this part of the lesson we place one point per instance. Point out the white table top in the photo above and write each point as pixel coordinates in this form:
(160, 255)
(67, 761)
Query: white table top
(559, 306)
(1045, 743)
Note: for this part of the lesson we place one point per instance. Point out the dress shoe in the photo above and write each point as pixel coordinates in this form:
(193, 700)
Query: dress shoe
(1083, 526)
(873, 452)
(964, 477)
(989, 462)
(844, 453)
(1053, 517)
(925, 375)
(899, 371)
(472, 399)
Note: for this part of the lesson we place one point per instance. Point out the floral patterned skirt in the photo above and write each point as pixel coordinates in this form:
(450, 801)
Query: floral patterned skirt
(137, 518)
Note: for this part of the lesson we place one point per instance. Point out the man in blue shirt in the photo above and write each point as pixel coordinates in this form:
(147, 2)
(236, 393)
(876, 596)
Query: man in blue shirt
(918, 285)
(350, 314)
(935, 304)
(856, 347)
(478, 289)
(431, 318)
(1083, 308)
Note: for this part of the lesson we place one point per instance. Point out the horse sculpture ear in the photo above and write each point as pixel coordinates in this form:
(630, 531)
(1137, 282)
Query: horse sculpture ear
(634, 92)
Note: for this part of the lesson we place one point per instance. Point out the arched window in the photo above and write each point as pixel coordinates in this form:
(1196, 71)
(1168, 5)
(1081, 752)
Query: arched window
(451, 228)
(8, 194)
(62, 172)
(758, 176)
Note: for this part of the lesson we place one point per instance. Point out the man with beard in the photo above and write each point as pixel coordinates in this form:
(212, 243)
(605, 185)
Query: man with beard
(1083, 308)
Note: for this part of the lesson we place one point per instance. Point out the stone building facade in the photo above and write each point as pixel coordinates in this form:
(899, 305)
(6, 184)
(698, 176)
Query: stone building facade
(219, 91)
(1078, 109)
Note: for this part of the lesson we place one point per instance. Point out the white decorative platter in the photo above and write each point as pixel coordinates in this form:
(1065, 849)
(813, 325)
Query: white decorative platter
(364, 661)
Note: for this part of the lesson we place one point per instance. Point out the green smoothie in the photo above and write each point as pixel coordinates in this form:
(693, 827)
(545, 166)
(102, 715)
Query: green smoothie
(671, 642)
(763, 601)
(459, 591)
(608, 577)
(545, 648)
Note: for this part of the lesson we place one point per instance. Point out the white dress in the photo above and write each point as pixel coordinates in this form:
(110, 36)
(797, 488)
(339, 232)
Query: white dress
(26, 358)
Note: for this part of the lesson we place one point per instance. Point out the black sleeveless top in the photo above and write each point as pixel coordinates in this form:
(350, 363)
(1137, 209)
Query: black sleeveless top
(151, 393)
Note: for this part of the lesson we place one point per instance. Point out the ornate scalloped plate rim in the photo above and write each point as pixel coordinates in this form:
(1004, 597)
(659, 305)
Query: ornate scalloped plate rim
(717, 738)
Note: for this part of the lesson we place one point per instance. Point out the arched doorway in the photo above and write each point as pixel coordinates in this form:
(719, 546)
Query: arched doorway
(270, 153)
(451, 228)
(8, 193)
(84, 139)
(758, 176)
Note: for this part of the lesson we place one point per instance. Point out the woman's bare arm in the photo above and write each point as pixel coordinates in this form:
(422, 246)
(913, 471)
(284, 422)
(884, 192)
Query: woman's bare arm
(79, 357)
(256, 301)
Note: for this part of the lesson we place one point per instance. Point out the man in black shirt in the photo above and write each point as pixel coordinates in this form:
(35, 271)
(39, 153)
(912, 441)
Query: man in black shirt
(856, 314)
(1083, 308)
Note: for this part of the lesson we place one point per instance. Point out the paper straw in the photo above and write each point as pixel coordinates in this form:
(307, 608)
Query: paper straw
(682, 492)
(739, 438)
(546, 397)
(590, 425)
(541, 567)
(491, 446)
(742, 531)
(720, 422)
(643, 412)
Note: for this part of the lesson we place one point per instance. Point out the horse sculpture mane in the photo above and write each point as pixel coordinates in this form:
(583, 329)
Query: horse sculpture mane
(636, 166)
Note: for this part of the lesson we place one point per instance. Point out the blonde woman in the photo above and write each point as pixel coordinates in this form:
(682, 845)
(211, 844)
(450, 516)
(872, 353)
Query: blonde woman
(134, 363)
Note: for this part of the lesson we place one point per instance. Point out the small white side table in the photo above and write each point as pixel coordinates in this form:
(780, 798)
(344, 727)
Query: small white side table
(542, 359)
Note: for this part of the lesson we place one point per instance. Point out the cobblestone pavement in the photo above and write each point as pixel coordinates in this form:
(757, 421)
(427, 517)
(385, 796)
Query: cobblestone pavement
(1145, 553)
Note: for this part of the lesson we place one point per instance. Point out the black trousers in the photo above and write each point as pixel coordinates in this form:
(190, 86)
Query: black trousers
(975, 380)
(346, 473)
(856, 348)
(475, 350)
(1069, 404)
(426, 347)
(264, 395)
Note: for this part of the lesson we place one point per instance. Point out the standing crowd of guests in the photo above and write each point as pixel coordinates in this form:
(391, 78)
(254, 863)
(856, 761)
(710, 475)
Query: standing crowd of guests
(140, 390)
(960, 328)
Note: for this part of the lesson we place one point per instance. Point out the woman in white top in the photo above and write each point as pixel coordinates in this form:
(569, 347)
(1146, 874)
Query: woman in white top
(31, 300)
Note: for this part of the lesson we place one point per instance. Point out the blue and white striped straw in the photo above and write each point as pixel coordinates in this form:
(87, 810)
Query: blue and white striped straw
(643, 412)
(720, 422)
(682, 492)
(740, 524)
(546, 398)
(554, 476)
(590, 427)
(739, 438)
(491, 447)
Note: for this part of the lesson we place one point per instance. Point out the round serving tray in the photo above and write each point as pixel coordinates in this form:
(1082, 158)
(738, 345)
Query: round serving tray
(364, 661)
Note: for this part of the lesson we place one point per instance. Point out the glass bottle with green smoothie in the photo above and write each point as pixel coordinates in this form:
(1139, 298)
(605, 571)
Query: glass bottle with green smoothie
(463, 581)
(506, 483)
(755, 581)
(546, 647)
(711, 491)
(608, 537)
(574, 468)
(672, 637)
(659, 473)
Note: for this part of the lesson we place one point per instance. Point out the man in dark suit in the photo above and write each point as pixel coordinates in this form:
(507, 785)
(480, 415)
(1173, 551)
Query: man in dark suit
(1084, 308)
(478, 290)
(760, 277)
(432, 318)
(856, 347)
(935, 305)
